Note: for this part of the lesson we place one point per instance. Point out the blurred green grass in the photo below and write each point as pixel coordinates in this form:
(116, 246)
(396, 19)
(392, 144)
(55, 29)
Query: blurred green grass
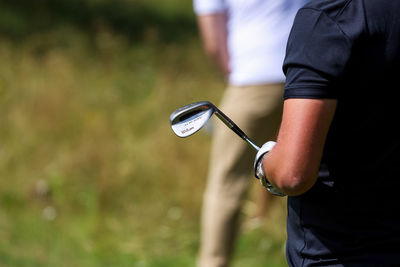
(91, 174)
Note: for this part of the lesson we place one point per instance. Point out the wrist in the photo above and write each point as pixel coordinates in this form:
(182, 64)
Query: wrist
(259, 170)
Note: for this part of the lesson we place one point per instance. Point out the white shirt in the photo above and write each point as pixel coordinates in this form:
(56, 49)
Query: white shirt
(257, 34)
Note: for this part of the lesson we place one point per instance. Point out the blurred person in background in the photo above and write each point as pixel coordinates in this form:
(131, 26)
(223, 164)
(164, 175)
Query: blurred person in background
(337, 153)
(247, 40)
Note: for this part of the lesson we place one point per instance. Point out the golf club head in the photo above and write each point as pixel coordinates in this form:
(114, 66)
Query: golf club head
(188, 119)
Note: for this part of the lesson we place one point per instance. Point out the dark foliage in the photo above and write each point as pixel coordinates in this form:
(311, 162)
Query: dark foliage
(21, 18)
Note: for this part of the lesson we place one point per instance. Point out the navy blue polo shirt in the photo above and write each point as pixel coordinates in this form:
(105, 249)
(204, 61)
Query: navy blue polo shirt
(349, 51)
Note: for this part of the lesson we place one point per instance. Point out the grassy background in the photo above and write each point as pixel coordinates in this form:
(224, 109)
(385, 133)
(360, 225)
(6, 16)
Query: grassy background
(91, 174)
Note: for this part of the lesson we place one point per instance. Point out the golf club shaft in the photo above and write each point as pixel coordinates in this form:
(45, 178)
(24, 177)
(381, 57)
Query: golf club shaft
(228, 122)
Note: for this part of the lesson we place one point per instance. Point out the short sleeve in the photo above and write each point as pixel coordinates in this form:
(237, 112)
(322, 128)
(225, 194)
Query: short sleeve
(203, 7)
(316, 56)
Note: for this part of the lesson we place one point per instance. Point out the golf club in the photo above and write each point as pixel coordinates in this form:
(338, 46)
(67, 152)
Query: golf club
(188, 119)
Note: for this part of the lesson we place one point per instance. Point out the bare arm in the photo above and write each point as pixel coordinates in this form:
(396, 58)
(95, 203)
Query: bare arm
(214, 35)
(292, 165)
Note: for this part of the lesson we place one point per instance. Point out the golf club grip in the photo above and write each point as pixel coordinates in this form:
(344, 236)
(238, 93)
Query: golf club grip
(228, 122)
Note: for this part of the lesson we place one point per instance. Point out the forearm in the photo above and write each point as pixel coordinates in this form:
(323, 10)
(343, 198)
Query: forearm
(292, 165)
(214, 36)
(287, 173)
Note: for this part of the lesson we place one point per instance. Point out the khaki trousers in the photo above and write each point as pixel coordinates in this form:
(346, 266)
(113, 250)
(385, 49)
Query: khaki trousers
(257, 110)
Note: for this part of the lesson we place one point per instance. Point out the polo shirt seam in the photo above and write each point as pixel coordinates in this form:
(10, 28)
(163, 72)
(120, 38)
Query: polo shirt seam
(308, 94)
(305, 86)
(342, 10)
(332, 19)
